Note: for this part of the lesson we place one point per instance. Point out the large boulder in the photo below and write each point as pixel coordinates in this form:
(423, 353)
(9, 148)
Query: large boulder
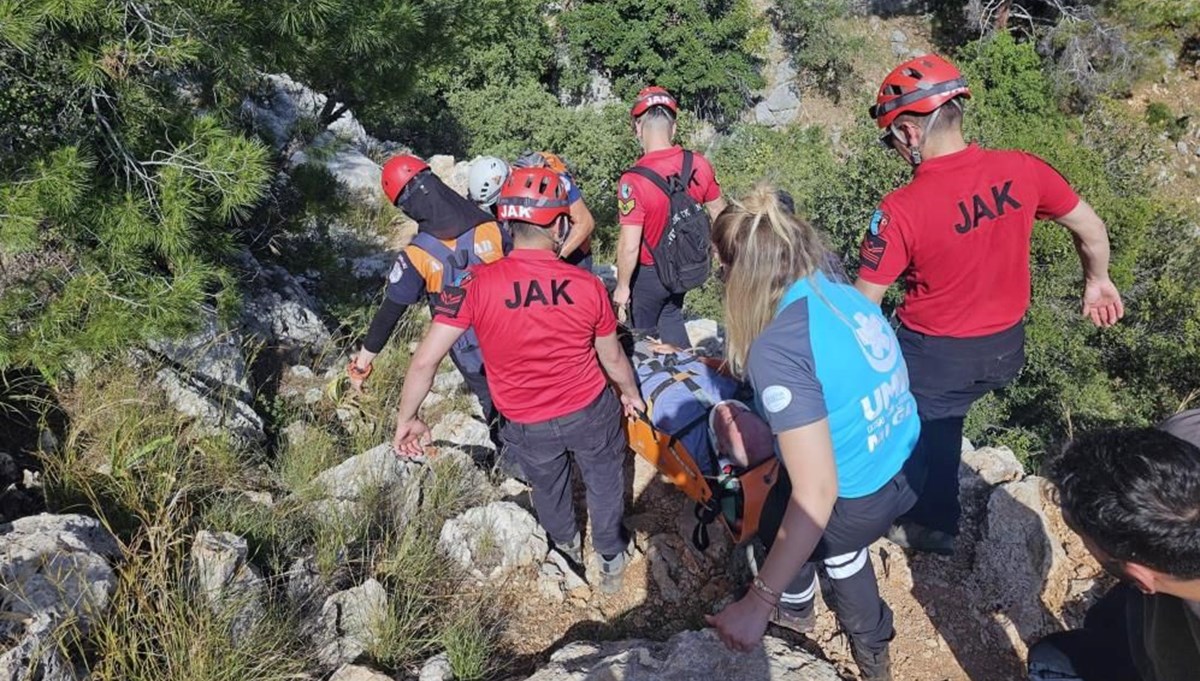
(229, 584)
(351, 622)
(687, 656)
(490, 541)
(281, 314)
(1028, 564)
(58, 565)
(205, 377)
(283, 103)
(55, 571)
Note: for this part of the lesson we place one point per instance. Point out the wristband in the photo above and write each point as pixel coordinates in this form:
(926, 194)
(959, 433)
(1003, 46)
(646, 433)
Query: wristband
(359, 374)
(760, 585)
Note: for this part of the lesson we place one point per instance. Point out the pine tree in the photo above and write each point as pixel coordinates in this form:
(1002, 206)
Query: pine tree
(117, 194)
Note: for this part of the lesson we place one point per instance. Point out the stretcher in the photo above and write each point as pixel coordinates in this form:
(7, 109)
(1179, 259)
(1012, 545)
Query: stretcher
(733, 497)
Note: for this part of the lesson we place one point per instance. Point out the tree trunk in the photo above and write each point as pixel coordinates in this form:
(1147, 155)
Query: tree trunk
(1002, 14)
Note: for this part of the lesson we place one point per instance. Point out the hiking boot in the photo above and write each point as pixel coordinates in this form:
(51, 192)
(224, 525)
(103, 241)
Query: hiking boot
(872, 666)
(916, 537)
(612, 570)
(572, 550)
(800, 624)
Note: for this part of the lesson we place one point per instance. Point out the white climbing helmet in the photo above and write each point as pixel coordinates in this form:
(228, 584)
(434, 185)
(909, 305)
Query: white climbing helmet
(485, 178)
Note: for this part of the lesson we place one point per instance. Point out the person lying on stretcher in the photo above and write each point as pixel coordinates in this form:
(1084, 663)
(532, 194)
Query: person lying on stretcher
(683, 395)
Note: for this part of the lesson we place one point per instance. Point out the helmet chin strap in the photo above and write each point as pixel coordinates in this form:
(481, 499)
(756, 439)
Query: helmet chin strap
(561, 232)
(914, 150)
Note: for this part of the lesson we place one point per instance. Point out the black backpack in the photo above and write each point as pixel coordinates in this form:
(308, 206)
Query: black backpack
(682, 254)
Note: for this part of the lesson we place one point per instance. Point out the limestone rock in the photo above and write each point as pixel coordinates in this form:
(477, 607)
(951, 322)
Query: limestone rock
(353, 672)
(995, 465)
(448, 382)
(281, 314)
(491, 540)
(205, 378)
(662, 557)
(453, 174)
(54, 571)
(351, 481)
(55, 565)
(707, 336)
(284, 102)
(304, 585)
(35, 657)
(687, 656)
(1019, 558)
(437, 668)
(463, 432)
(227, 581)
(350, 623)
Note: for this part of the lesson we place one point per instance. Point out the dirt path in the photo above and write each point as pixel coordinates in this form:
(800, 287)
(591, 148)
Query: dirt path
(944, 629)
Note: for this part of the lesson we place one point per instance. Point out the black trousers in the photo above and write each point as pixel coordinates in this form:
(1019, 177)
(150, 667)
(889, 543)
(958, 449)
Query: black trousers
(1097, 652)
(656, 311)
(591, 437)
(947, 376)
(841, 559)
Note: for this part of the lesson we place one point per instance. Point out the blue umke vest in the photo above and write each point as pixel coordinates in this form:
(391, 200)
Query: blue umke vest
(872, 415)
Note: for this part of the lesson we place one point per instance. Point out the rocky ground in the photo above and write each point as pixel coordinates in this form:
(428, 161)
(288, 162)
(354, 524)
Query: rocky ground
(1018, 572)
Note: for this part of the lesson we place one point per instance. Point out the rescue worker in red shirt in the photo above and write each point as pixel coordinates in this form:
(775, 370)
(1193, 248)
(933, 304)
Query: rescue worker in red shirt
(644, 209)
(959, 235)
(487, 175)
(452, 234)
(548, 336)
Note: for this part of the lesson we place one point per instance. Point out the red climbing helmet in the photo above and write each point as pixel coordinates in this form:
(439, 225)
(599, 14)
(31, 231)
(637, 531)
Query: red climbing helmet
(919, 85)
(653, 96)
(533, 195)
(397, 173)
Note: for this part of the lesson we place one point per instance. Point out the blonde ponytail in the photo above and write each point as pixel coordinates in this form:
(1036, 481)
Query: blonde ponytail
(764, 250)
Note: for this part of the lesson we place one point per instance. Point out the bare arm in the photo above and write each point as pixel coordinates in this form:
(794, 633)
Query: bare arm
(807, 454)
(715, 207)
(582, 226)
(629, 244)
(418, 381)
(1101, 300)
(616, 365)
(1091, 239)
(873, 292)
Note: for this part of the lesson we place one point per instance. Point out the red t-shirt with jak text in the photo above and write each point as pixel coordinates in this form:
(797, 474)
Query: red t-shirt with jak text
(639, 202)
(537, 319)
(959, 234)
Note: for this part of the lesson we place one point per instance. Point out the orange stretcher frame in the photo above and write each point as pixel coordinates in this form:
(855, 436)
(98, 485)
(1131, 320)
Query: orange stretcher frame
(673, 461)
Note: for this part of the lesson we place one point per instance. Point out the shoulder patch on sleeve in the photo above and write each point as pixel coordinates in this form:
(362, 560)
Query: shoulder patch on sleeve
(625, 200)
(776, 398)
(398, 268)
(871, 253)
(879, 221)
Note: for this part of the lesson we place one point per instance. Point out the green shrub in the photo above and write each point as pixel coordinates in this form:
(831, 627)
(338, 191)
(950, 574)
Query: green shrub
(1160, 117)
(815, 33)
(697, 49)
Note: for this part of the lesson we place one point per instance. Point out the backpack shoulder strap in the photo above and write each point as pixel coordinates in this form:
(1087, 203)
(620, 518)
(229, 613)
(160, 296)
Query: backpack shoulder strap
(658, 180)
(685, 173)
(440, 252)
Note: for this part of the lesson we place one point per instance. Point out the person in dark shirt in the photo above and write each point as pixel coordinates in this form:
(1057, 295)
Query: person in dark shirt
(1133, 496)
